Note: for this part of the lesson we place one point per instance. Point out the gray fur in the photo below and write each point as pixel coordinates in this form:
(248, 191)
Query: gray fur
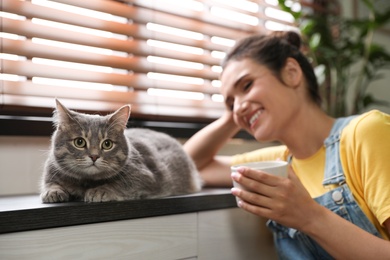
(141, 164)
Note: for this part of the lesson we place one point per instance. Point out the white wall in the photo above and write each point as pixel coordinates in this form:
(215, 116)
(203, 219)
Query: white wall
(21, 163)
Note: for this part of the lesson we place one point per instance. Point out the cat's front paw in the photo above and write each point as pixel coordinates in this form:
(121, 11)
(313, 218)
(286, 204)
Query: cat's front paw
(53, 195)
(101, 195)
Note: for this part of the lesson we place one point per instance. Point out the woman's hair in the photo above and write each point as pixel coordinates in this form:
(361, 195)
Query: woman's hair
(272, 51)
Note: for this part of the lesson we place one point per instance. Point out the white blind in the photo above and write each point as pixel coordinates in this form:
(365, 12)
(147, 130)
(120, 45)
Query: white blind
(160, 56)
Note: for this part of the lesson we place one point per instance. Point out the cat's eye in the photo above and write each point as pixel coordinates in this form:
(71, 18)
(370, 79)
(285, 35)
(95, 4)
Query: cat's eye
(107, 144)
(79, 142)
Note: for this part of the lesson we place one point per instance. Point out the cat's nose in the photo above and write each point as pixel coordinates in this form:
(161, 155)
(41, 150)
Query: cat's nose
(94, 157)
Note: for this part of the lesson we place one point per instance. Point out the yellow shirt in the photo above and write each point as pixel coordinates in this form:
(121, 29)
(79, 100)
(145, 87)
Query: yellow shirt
(365, 157)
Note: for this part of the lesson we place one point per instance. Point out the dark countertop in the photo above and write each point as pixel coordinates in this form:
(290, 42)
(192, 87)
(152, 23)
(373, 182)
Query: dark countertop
(27, 212)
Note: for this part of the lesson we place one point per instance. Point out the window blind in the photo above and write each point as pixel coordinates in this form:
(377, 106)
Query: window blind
(160, 56)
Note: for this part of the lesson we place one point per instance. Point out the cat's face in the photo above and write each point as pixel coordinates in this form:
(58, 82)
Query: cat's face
(90, 146)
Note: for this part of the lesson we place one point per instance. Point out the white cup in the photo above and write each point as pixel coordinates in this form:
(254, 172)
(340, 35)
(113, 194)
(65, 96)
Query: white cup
(278, 168)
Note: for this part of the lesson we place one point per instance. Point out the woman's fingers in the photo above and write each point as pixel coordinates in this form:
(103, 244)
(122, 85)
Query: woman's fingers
(285, 200)
(254, 203)
(252, 197)
(260, 189)
(256, 189)
(260, 176)
(256, 181)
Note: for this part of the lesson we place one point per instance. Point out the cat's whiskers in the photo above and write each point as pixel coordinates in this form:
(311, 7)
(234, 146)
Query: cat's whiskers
(70, 169)
(54, 174)
(61, 170)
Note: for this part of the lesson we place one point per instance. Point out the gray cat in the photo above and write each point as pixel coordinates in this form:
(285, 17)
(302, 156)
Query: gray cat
(95, 158)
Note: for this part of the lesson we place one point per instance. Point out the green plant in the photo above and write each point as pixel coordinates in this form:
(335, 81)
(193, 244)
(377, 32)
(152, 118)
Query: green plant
(344, 51)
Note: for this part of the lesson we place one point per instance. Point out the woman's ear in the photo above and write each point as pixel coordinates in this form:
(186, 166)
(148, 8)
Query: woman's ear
(292, 73)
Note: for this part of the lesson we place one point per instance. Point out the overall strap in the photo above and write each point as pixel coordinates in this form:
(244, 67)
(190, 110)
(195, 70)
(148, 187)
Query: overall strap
(334, 173)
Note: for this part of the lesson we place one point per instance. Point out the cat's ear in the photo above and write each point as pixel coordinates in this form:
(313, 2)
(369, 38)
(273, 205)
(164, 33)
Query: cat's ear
(120, 117)
(62, 115)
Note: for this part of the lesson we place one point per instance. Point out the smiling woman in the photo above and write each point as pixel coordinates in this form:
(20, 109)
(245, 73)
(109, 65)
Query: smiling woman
(98, 55)
(271, 92)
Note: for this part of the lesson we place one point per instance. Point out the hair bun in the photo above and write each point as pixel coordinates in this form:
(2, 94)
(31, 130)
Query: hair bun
(291, 37)
(294, 39)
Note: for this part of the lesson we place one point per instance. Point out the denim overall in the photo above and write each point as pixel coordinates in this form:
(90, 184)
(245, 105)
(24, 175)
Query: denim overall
(291, 243)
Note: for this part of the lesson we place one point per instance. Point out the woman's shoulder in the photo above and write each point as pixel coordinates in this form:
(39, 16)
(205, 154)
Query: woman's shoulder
(372, 124)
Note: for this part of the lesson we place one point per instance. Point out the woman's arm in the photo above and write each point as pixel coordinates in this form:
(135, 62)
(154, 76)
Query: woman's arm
(204, 146)
(344, 240)
(286, 201)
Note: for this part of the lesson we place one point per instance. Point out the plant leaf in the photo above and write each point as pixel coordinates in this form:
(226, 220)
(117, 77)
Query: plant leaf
(315, 41)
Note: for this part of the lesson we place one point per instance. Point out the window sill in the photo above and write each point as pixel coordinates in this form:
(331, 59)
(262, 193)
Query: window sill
(24, 213)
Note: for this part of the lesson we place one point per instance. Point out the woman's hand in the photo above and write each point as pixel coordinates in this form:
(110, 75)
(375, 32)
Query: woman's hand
(205, 144)
(284, 200)
(203, 148)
